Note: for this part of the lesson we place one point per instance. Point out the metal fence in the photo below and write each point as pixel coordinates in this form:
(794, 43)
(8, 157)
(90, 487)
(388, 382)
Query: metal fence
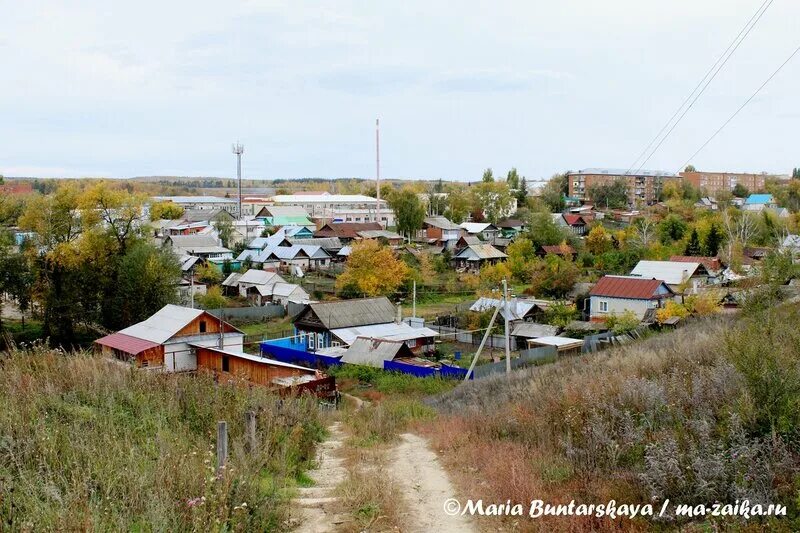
(239, 313)
(526, 358)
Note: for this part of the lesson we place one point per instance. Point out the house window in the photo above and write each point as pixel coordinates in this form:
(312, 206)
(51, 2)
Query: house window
(603, 306)
(311, 341)
(226, 364)
(202, 326)
(320, 339)
(654, 304)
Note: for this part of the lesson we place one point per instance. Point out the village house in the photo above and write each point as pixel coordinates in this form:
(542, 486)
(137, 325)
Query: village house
(510, 228)
(347, 232)
(277, 251)
(713, 264)
(575, 223)
(520, 309)
(202, 246)
(330, 324)
(483, 230)
(676, 274)
(759, 202)
(285, 215)
(389, 237)
(367, 351)
(564, 250)
(439, 231)
(166, 339)
(617, 294)
(475, 256)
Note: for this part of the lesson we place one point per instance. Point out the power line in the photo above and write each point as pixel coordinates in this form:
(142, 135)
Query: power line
(746, 29)
(796, 50)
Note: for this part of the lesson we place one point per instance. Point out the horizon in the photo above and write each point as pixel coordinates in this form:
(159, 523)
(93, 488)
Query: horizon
(301, 86)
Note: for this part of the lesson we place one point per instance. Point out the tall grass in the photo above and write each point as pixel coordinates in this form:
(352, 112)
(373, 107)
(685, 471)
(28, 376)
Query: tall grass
(89, 444)
(707, 413)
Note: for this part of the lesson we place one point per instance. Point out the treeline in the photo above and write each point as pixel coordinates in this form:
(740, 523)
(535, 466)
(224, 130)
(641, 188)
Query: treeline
(86, 261)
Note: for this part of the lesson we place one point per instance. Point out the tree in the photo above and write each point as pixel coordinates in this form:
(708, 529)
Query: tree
(542, 231)
(622, 323)
(598, 241)
(493, 275)
(522, 191)
(613, 195)
(795, 173)
(671, 229)
(645, 231)
(147, 279)
(458, 204)
(693, 246)
(488, 176)
(712, 241)
(740, 191)
(690, 168)
(212, 299)
(371, 270)
(409, 212)
(520, 252)
(224, 228)
(208, 273)
(512, 179)
(552, 277)
(561, 314)
(553, 192)
(493, 199)
(165, 211)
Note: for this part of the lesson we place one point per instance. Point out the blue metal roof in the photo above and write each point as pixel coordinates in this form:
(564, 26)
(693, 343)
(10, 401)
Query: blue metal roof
(759, 199)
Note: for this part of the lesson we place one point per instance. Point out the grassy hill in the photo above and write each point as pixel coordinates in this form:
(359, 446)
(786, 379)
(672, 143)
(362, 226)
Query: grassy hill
(90, 445)
(704, 414)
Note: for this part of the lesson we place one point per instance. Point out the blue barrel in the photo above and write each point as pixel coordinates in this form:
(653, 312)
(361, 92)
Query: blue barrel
(458, 355)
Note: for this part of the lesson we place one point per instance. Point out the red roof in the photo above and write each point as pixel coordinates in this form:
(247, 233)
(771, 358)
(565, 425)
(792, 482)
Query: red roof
(346, 230)
(711, 263)
(625, 287)
(126, 343)
(572, 220)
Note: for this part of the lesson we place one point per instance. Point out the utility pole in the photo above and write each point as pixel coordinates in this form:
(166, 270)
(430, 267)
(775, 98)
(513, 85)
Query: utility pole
(378, 170)
(414, 302)
(505, 312)
(238, 149)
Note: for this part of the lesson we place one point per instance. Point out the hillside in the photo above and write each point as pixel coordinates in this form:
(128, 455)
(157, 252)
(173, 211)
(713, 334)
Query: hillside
(704, 414)
(89, 445)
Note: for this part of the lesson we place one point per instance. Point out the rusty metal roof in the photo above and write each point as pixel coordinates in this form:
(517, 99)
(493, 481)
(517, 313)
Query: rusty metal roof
(126, 343)
(628, 287)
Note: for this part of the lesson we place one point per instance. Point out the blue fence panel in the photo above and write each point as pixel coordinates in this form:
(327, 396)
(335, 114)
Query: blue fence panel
(414, 370)
(453, 372)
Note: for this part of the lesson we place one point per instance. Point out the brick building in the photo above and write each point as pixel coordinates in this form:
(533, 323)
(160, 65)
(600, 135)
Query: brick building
(644, 186)
(714, 182)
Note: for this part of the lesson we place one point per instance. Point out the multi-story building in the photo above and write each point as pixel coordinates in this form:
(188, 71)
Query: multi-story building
(644, 186)
(326, 207)
(714, 182)
(201, 202)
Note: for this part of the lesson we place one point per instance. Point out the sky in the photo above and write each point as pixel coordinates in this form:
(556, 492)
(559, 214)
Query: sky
(122, 89)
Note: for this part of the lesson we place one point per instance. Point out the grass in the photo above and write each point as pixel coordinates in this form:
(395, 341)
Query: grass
(268, 328)
(86, 444)
(707, 413)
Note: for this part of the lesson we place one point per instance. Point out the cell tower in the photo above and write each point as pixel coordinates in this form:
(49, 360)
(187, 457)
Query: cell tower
(378, 170)
(238, 149)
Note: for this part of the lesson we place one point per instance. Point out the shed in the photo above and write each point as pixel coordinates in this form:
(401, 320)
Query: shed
(564, 345)
(373, 352)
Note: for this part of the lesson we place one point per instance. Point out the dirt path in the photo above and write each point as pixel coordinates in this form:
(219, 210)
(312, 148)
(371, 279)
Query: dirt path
(415, 467)
(319, 508)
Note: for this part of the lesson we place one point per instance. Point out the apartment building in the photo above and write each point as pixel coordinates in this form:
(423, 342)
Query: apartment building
(326, 207)
(644, 186)
(714, 182)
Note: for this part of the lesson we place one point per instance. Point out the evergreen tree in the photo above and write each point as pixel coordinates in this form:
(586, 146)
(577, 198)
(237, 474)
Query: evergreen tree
(693, 247)
(522, 192)
(512, 179)
(488, 176)
(712, 241)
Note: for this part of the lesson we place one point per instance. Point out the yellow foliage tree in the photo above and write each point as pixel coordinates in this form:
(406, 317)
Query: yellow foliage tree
(492, 275)
(671, 309)
(371, 270)
(598, 241)
(704, 304)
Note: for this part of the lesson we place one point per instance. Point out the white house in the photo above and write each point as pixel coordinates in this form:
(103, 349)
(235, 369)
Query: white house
(673, 273)
(339, 207)
(617, 294)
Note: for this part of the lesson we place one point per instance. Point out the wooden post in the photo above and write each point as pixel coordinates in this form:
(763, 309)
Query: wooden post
(222, 445)
(250, 430)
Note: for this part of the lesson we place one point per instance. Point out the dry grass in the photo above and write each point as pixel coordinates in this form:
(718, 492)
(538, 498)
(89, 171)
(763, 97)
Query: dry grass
(670, 417)
(90, 445)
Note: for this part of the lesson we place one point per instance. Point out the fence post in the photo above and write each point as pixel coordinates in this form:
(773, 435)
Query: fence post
(222, 446)
(250, 430)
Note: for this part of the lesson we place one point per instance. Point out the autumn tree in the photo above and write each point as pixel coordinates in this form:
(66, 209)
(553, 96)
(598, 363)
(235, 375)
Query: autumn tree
(598, 241)
(552, 277)
(488, 176)
(409, 212)
(512, 179)
(494, 199)
(371, 270)
(458, 204)
(224, 228)
(613, 195)
(165, 211)
(553, 192)
(520, 252)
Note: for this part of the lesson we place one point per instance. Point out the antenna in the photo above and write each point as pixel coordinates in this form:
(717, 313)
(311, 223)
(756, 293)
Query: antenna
(378, 170)
(238, 149)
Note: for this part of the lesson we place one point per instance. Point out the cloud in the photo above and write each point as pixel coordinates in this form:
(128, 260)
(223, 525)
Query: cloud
(498, 81)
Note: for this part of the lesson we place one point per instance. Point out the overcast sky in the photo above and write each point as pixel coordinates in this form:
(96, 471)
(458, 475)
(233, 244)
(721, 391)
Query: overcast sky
(164, 87)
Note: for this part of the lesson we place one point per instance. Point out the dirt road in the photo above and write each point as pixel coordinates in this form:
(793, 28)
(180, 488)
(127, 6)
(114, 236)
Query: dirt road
(416, 468)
